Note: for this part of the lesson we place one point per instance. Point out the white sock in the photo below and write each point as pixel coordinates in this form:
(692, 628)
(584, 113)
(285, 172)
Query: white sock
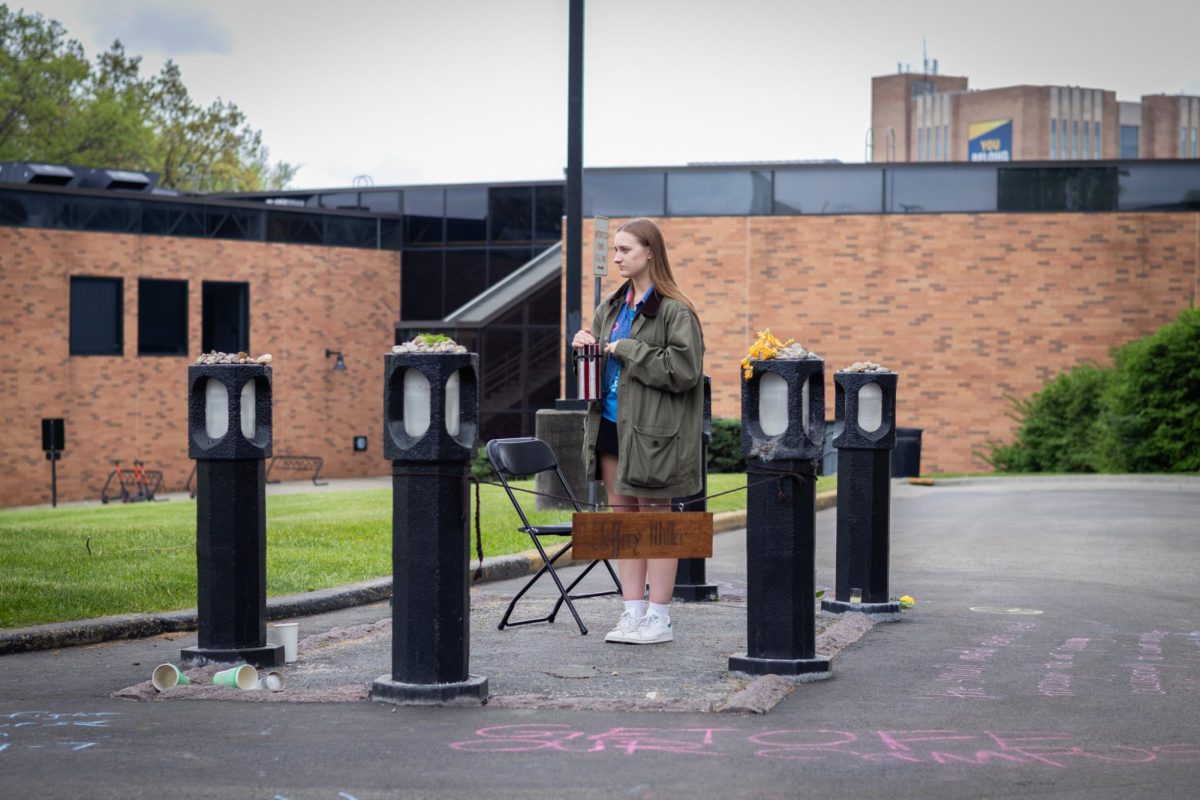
(662, 610)
(634, 607)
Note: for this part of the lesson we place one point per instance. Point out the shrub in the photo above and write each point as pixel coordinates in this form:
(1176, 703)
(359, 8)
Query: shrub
(1141, 415)
(1151, 416)
(725, 449)
(1059, 425)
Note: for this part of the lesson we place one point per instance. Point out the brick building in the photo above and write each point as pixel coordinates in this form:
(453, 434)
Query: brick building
(930, 117)
(973, 281)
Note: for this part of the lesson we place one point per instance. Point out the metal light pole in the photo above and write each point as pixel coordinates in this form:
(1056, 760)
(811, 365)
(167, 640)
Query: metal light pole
(574, 239)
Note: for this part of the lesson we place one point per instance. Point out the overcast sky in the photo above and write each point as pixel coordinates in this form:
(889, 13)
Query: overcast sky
(421, 91)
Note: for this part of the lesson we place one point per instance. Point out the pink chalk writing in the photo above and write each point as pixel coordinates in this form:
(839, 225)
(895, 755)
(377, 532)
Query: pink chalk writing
(1057, 680)
(1144, 675)
(966, 677)
(942, 747)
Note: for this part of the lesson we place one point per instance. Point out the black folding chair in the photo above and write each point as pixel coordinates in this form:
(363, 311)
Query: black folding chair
(528, 456)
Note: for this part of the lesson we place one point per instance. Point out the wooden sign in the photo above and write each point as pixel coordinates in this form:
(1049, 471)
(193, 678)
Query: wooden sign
(653, 534)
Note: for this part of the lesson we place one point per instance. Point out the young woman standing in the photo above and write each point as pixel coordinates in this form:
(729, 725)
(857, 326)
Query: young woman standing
(642, 438)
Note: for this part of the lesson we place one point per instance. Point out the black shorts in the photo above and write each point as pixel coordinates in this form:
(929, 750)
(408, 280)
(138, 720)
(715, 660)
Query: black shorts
(606, 439)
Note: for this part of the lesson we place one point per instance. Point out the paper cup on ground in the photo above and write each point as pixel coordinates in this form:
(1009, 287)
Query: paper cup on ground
(288, 635)
(240, 677)
(272, 681)
(168, 676)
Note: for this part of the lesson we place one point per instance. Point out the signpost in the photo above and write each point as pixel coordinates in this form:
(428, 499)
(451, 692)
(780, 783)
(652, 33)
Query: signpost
(53, 442)
(645, 534)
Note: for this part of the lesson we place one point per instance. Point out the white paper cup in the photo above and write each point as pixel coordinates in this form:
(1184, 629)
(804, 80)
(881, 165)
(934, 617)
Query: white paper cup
(168, 676)
(288, 635)
(272, 681)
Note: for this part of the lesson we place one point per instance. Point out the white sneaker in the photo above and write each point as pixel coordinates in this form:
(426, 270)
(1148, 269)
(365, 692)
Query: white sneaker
(651, 629)
(625, 628)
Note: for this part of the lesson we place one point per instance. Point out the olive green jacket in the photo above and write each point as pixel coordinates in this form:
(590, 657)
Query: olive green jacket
(660, 399)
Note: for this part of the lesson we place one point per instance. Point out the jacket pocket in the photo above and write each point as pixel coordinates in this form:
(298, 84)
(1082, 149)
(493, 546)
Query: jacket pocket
(653, 456)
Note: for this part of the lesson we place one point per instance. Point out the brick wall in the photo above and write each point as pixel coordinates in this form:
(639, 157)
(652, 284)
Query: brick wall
(967, 308)
(302, 300)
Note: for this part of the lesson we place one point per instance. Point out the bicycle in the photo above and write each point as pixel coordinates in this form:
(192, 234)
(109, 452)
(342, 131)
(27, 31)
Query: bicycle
(124, 480)
(131, 485)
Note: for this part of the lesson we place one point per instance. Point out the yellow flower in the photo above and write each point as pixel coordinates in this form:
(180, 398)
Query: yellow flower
(907, 602)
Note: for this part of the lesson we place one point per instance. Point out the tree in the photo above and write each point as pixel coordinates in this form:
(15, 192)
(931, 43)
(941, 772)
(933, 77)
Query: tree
(57, 107)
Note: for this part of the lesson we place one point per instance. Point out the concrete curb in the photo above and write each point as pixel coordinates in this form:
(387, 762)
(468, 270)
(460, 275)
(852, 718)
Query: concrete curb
(137, 626)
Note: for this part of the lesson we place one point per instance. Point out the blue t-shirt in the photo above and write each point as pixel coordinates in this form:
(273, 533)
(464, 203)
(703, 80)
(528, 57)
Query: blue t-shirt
(612, 365)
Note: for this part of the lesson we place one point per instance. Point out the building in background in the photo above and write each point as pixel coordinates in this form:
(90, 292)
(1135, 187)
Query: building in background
(931, 117)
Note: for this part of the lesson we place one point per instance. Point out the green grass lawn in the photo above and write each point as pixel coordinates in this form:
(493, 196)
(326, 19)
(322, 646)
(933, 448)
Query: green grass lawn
(143, 556)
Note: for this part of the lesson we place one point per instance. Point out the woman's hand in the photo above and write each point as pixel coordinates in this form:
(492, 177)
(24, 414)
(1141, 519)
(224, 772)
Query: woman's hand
(610, 348)
(582, 338)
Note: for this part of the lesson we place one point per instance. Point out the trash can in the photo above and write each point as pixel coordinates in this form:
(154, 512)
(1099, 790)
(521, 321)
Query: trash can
(906, 458)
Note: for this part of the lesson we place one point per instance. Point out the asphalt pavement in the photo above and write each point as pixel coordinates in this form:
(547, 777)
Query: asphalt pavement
(1054, 651)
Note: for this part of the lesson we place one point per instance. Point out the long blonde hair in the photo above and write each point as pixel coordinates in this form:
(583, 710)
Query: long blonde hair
(646, 232)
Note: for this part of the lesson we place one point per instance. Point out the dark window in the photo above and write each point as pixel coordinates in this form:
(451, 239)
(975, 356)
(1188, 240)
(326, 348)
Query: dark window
(503, 262)
(1057, 189)
(829, 191)
(349, 232)
(1159, 187)
(390, 234)
(173, 219)
(162, 317)
(718, 192)
(545, 307)
(347, 201)
(466, 277)
(424, 212)
(381, 202)
(623, 194)
(421, 284)
(225, 317)
(548, 213)
(918, 190)
(105, 214)
(1129, 141)
(35, 210)
(511, 212)
(97, 317)
(294, 228)
(466, 215)
(230, 223)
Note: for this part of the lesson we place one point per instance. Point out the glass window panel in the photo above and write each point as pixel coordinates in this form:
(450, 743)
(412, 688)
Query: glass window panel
(1054, 140)
(424, 212)
(511, 214)
(1074, 139)
(548, 213)
(703, 192)
(421, 284)
(623, 194)
(1087, 139)
(915, 190)
(347, 201)
(173, 219)
(1057, 189)
(545, 308)
(829, 191)
(1159, 187)
(503, 262)
(162, 317)
(391, 234)
(225, 317)
(35, 209)
(97, 317)
(465, 277)
(229, 223)
(349, 231)
(380, 202)
(294, 228)
(1129, 141)
(466, 215)
(105, 214)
